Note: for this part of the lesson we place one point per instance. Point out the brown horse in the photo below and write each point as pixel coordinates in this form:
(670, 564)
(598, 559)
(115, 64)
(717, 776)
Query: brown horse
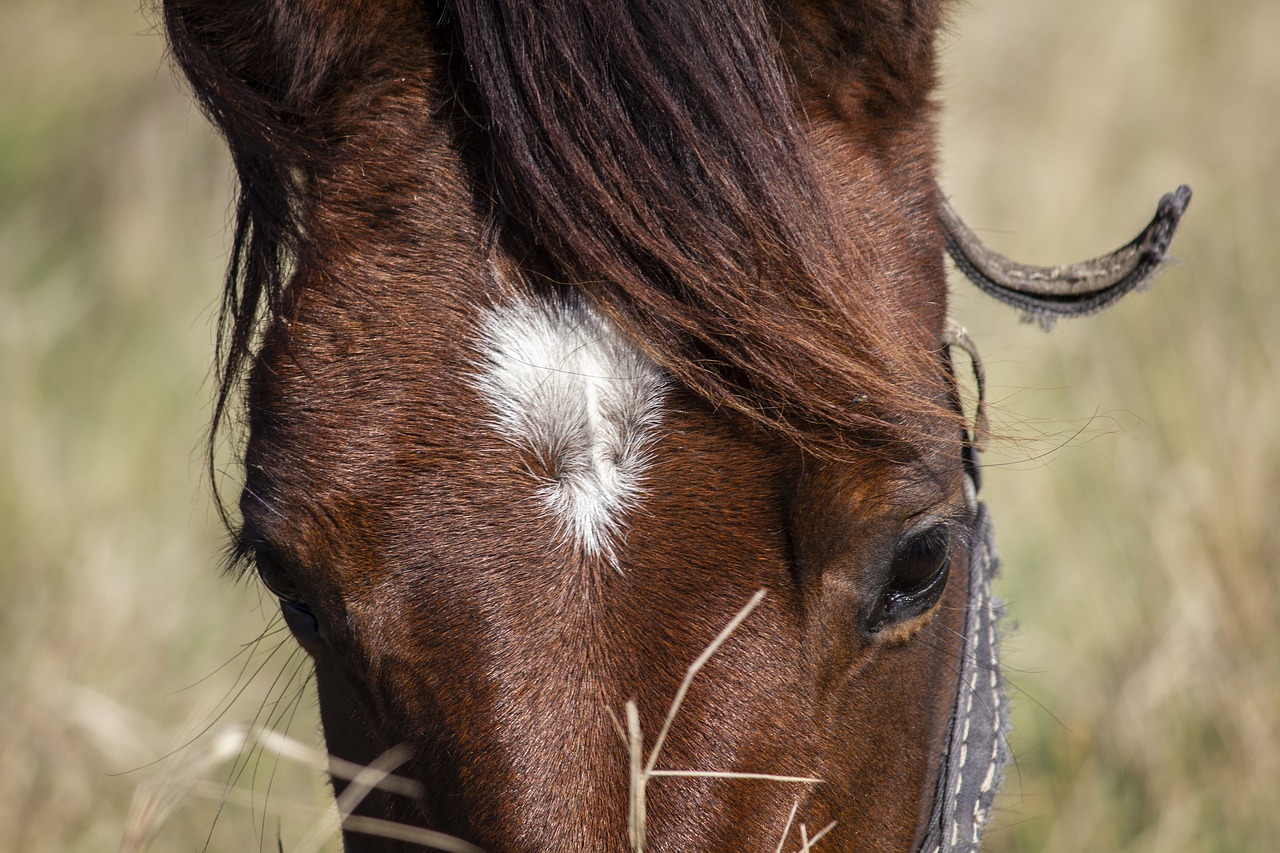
(565, 329)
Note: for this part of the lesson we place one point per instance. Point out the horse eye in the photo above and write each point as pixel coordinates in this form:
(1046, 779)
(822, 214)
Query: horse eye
(276, 579)
(295, 610)
(917, 577)
(301, 621)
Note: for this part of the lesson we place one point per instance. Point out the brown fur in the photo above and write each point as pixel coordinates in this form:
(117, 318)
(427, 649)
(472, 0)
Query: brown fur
(756, 207)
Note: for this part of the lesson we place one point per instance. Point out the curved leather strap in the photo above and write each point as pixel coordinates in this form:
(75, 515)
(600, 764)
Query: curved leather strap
(955, 335)
(1070, 290)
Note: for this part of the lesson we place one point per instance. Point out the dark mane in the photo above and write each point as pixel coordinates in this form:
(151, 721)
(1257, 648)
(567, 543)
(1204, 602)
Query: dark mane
(663, 167)
(648, 153)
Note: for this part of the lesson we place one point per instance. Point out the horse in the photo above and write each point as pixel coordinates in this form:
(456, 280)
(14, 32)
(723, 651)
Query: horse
(604, 445)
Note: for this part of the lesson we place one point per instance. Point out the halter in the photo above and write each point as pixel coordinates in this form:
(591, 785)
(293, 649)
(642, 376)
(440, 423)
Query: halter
(977, 746)
(1069, 290)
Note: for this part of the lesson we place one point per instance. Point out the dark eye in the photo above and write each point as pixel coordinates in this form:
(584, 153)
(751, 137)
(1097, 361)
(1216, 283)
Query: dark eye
(276, 579)
(301, 621)
(917, 577)
(297, 614)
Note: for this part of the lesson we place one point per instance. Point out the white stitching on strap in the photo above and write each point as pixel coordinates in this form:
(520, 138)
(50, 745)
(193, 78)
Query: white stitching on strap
(961, 794)
(979, 815)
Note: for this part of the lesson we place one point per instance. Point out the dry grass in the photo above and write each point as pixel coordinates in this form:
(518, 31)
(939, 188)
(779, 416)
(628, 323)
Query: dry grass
(643, 770)
(1141, 558)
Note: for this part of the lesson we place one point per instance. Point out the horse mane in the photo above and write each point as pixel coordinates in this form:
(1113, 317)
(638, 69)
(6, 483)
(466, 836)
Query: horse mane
(647, 153)
(663, 168)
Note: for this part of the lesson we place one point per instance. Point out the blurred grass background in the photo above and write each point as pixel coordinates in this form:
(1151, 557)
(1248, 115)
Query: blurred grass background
(1137, 514)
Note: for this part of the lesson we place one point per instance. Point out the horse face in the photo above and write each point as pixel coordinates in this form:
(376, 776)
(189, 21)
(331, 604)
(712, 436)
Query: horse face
(494, 512)
(464, 600)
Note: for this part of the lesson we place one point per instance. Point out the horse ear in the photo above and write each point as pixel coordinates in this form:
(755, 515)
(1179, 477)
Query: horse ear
(873, 56)
(267, 69)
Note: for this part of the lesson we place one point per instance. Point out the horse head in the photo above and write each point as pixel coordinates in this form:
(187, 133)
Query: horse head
(567, 329)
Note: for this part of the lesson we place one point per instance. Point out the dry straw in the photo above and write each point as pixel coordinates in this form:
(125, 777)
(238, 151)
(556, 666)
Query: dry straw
(642, 770)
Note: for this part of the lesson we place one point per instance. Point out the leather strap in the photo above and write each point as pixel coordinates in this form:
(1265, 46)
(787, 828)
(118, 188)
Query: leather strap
(977, 748)
(1070, 290)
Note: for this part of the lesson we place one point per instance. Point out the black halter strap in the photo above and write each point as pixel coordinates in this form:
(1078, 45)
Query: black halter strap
(976, 746)
(977, 749)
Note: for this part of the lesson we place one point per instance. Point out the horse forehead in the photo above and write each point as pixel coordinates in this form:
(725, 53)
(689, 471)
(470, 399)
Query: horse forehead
(509, 395)
(515, 401)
